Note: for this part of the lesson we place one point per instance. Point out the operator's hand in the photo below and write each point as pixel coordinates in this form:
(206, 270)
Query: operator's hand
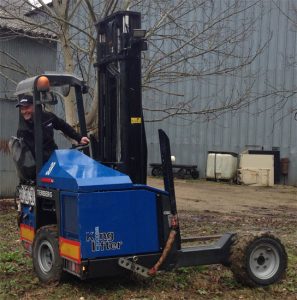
(84, 140)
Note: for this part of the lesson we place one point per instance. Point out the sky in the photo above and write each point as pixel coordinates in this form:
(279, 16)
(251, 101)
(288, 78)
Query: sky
(36, 3)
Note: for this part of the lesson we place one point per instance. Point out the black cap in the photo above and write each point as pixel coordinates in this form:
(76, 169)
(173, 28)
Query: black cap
(25, 101)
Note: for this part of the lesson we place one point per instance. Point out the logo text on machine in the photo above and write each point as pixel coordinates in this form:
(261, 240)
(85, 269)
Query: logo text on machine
(103, 241)
(44, 193)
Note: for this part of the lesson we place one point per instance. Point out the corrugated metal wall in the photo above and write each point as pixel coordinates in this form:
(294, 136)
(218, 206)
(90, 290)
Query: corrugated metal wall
(8, 126)
(37, 57)
(268, 122)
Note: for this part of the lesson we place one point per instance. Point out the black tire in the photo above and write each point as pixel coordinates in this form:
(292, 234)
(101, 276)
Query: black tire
(154, 172)
(47, 263)
(258, 259)
(157, 171)
(195, 174)
(181, 173)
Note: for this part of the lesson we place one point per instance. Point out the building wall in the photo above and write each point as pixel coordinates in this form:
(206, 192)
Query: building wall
(29, 56)
(36, 56)
(264, 123)
(8, 125)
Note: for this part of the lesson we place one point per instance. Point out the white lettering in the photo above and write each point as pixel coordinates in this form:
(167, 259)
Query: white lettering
(46, 194)
(50, 169)
(102, 241)
(27, 195)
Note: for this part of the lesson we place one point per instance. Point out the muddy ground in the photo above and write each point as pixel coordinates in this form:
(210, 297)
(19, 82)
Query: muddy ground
(201, 195)
(205, 208)
(233, 207)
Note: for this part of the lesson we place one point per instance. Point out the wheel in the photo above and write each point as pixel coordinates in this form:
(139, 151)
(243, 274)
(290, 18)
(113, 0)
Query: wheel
(181, 173)
(194, 174)
(47, 262)
(258, 260)
(157, 171)
(154, 171)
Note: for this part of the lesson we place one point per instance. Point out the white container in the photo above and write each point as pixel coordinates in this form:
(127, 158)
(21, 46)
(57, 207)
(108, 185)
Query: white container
(256, 169)
(255, 177)
(257, 161)
(221, 166)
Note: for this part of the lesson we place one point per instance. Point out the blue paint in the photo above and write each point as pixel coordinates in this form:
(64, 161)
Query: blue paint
(69, 216)
(28, 216)
(112, 223)
(149, 188)
(73, 171)
(101, 208)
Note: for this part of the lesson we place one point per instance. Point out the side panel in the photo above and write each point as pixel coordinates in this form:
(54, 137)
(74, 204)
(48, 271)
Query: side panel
(108, 224)
(69, 223)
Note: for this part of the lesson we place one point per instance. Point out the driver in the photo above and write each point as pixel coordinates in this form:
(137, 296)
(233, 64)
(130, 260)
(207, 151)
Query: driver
(49, 122)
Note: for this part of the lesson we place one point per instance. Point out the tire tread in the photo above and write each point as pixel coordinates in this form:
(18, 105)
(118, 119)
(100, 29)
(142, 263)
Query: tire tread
(56, 274)
(239, 258)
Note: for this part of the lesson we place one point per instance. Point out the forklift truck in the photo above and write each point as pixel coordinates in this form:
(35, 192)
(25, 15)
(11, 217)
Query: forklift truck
(95, 216)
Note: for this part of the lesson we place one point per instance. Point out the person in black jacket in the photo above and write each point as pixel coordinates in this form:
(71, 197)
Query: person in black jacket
(49, 122)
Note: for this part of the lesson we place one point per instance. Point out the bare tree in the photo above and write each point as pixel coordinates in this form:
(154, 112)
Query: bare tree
(281, 92)
(189, 40)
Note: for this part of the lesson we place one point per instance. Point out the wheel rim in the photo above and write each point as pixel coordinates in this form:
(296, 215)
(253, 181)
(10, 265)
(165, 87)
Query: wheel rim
(45, 256)
(264, 261)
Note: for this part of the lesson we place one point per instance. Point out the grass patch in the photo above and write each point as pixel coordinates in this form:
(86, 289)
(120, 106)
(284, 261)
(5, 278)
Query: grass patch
(17, 280)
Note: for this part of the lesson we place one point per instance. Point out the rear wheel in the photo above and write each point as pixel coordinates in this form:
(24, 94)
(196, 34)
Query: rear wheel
(47, 262)
(258, 260)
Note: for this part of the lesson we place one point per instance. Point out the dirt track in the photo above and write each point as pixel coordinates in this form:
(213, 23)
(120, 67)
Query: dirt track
(204, 195)
(207, 208)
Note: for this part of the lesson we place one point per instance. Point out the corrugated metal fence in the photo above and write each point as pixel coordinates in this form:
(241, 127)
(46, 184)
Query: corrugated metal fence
(36, 56)
(8, 126)
(266, 121)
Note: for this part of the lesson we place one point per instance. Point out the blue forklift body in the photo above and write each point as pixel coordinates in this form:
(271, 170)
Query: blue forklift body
(111, 223)
(71, 170)
(100, 208)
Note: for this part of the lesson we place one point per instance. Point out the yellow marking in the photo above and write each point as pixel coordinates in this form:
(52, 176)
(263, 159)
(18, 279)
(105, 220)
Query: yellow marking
(27, 234)
(70, 249)
(136, 120)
